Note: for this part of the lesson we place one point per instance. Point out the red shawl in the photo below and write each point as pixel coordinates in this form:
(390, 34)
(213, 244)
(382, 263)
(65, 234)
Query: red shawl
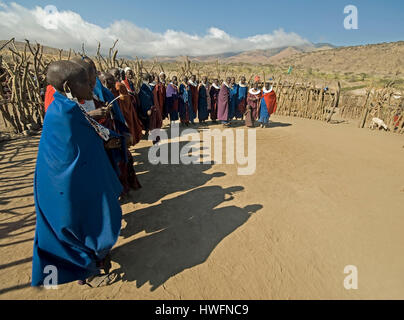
(270, 101)
(159, 93)
(127, 106)
(254, 100)
(195, 97)
(50, 91)
(127, 85)
(156, 122)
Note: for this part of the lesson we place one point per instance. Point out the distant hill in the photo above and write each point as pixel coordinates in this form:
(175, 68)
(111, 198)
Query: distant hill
(20, 46)
(273, 56)
(325, 45)
(385, 59)
(267, 56)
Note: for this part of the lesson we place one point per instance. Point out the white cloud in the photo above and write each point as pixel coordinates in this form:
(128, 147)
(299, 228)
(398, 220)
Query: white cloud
(67, 29)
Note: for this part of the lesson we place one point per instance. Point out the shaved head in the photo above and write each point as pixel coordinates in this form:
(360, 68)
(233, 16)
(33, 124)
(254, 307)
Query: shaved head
(88, 60)
(67, 74)
(116, 73)
(82, 62)
(89, 67)
(146, 77)
(107, 80)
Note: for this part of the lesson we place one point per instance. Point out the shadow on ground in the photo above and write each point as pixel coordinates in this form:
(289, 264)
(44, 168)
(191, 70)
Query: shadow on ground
(161, 180)
(182, 231)
(17, 165)
(185, 230)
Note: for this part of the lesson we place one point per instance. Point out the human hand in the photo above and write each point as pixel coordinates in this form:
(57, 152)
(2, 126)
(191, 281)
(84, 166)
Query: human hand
(99, 113)
(129, 139)
(113, 143)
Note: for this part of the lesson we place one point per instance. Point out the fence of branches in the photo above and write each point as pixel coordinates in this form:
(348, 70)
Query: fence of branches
(384, 104)
(23, 81)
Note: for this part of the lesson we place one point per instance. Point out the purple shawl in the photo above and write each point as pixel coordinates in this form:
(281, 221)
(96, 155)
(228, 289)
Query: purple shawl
(171, 90)
(223, 103)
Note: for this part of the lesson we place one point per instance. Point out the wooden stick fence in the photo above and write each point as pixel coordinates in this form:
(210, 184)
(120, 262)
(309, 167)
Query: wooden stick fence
(22, 86)
(380, 103)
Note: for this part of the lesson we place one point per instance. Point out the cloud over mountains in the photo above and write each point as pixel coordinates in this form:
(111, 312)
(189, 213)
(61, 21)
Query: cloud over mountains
(67, 29)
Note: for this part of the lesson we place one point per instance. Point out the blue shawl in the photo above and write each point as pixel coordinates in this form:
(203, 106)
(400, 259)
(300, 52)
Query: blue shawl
(76, 196)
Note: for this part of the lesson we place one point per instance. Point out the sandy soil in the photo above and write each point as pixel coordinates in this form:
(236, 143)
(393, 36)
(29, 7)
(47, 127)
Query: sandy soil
(323, 196)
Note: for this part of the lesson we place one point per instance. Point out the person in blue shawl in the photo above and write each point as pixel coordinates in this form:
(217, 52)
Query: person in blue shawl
(242, 92)
(104, 96)
(203, 96)
(146, 102)
(76, 191)
(233, 98)
(101, 97)
(185, 108)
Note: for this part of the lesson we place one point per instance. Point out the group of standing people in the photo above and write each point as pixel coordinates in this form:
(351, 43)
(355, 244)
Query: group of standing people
(223, 102)
(189, 100)
(84, 167)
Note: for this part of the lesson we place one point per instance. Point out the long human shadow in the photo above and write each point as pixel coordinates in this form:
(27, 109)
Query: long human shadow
(185, 230)
(272, 124)
(159, 180)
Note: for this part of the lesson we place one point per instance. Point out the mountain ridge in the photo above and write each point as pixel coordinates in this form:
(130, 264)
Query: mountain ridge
(262, 55)
(382, 59)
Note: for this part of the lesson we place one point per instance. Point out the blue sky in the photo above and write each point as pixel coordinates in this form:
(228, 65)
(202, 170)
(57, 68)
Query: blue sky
(317, 21)
(178, 27)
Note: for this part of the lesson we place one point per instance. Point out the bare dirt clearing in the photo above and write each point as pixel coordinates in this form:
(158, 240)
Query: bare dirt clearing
(323, 196)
